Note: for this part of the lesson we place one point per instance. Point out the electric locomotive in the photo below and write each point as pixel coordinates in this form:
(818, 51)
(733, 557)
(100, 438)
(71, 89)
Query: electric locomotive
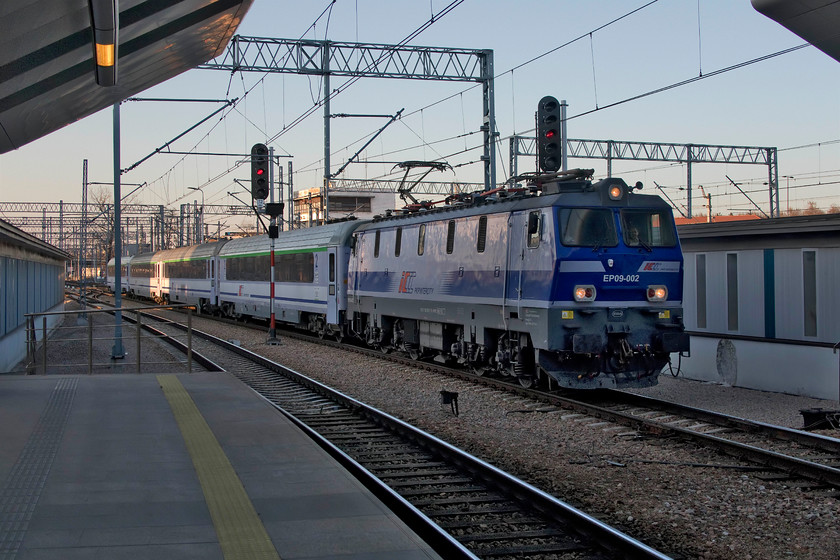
(580, 286)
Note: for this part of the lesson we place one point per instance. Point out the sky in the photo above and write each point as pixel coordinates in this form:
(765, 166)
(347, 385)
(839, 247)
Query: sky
(790, 102)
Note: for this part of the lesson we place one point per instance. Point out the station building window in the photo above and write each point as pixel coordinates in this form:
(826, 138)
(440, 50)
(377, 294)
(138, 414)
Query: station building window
(700, 271)
(732, 291)
(809, 291)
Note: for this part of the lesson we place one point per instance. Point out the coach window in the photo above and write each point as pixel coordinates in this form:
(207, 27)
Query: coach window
(421, 240)
(450, 237)
(398, 242)
(732, 291)
(482, 234)
(534, 219)
(700, 266)
(376, 244)
(332, 267)
(809, 290)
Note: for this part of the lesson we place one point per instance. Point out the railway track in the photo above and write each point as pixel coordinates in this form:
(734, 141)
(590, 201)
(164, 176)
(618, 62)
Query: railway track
(462, 506)
(809, 461)
(802, 459)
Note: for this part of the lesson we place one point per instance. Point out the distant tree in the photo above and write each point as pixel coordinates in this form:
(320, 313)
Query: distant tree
(834, 209)
(812, 209)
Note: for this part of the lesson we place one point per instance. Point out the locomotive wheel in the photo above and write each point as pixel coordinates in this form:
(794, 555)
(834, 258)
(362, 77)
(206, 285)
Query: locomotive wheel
(479, 371)
(526, 381)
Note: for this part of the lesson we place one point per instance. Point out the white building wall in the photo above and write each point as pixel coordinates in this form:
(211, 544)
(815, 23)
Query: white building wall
(751, 293)
(801, 369)
(828, 294)
(789, 315)
(767, 366)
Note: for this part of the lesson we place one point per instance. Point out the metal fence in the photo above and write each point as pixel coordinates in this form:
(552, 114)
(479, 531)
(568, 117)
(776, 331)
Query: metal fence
(86, 332)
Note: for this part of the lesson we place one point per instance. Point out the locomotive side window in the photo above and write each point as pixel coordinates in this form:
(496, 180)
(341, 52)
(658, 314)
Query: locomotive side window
(587, 227)
(482, 234)
(450, 237)
(332, 267)
(421, 240)
(647, 228)
(534, 219)
(376, 244)
(398, 242)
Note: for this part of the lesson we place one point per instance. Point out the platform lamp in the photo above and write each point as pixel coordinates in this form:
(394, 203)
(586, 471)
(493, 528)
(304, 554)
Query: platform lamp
(104, 23)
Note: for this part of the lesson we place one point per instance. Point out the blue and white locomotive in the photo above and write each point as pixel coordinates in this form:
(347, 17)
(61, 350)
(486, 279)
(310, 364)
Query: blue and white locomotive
(580, 286)
(569, 283)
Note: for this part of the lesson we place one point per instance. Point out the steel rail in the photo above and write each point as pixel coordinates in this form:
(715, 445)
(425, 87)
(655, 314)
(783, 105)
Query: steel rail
(609, 539)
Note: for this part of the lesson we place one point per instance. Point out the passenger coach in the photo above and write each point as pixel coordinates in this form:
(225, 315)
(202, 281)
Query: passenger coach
(310, 277)
(189, 275)
(111, 273)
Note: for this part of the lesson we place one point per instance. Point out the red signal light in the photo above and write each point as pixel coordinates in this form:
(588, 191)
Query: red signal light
(260, 171)
(550, 134)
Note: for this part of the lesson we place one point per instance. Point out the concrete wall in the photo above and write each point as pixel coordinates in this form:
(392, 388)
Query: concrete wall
(809, 371)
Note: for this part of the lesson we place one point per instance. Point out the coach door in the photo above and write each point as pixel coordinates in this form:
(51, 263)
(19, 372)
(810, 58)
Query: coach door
(333, 292)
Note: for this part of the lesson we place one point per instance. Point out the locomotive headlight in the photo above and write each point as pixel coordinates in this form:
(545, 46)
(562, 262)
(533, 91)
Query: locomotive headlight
(657, 293)
(616, 192)
(584, 293)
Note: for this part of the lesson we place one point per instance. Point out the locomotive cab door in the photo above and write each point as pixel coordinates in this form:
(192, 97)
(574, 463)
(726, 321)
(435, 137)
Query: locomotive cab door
(533, 258)
(333, 292)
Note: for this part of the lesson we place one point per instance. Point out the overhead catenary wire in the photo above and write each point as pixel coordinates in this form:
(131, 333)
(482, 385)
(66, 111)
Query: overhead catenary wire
(651, 92)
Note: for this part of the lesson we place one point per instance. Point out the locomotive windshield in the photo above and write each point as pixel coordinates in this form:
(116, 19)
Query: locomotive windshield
(587, 227)
(647, 228)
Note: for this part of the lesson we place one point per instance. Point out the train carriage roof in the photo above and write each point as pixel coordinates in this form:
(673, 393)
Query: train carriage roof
(337, 234)
(144, 258)
(123, 261)
(193, 252)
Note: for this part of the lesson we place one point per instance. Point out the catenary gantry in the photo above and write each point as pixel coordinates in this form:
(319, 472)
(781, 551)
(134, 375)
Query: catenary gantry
(688, 154)
(363, 60)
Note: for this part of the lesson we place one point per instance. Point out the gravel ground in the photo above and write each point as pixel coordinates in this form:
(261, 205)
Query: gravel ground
(644, 486)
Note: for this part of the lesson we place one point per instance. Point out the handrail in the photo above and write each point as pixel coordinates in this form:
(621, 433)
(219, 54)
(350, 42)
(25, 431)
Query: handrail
(32, 343)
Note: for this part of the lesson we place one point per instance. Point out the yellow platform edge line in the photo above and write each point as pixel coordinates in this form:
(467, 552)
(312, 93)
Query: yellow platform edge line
(239, 529)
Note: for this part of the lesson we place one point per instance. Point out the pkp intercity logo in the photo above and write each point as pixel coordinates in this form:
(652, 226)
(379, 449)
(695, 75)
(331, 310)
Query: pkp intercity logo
(660, 266)
(406, 281)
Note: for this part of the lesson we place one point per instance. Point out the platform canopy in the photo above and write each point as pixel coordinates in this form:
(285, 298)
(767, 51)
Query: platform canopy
(816, 21)
(49, 76)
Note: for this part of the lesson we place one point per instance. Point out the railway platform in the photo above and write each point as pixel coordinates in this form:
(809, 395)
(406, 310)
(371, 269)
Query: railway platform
(174, 465)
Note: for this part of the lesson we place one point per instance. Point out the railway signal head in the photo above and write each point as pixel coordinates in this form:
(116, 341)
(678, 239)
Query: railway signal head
(548, 134)
(259, 171)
